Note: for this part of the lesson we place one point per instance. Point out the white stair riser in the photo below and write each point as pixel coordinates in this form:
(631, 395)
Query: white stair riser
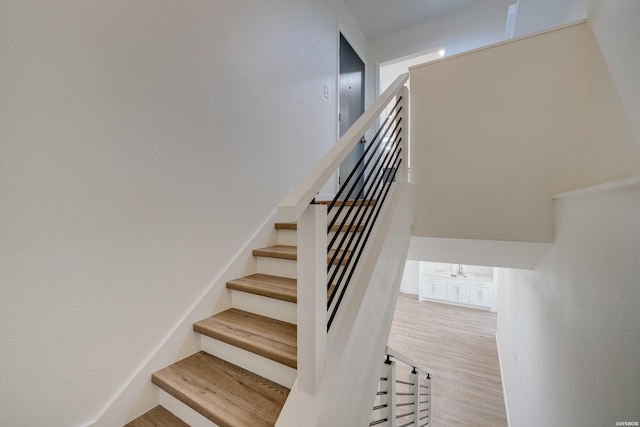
(277, 372)
(287, 237)
(184, 412)
(269, 307)
(277, 267)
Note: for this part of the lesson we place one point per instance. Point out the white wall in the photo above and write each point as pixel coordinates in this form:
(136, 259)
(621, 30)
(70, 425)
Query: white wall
(472, 27)
(142, 144)
(495, 132)
(569, 331)
(411, 278)
(540, 15)
(614, 68)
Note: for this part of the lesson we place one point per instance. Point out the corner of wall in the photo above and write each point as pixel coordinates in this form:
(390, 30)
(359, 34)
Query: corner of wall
(138, 395)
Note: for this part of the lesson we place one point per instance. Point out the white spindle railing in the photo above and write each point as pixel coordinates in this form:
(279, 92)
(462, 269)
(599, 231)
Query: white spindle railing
(404, 399)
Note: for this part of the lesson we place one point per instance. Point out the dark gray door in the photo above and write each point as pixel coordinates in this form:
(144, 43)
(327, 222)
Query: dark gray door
(351, 82)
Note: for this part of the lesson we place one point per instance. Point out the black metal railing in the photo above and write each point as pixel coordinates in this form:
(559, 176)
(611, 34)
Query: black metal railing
(362, 195)
(408, 403)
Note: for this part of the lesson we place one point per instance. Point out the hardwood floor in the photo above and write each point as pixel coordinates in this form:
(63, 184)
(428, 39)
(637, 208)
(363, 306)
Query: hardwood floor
(458, 345)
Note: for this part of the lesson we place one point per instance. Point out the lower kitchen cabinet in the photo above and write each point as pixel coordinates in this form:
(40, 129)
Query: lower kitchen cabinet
(456, 290)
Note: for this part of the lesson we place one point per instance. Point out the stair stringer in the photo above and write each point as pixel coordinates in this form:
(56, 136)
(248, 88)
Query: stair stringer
(138, 394)
(359, 334)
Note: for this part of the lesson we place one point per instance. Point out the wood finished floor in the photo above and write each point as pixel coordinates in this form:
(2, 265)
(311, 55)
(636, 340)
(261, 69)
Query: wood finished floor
(458, 345)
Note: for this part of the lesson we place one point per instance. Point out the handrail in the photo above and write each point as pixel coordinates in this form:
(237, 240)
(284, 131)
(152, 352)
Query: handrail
(406, 360)
(374, 175)
(372, 192)
(299, 198)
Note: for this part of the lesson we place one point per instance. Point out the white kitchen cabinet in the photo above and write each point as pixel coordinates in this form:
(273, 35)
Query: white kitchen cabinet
(480, 294)
(456, 290)
(432, 287)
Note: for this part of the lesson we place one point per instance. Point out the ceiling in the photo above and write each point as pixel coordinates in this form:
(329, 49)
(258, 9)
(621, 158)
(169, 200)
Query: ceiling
(379, 17)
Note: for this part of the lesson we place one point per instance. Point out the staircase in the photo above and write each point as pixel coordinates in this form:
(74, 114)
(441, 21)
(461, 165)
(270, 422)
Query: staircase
(258, 334)
(250, 355)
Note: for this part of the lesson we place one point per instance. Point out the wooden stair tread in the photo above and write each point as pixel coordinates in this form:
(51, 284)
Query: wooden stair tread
(267, 337)
(286, 225)
(337, 261)
(222, 392)
(291, 253)
(282, 288)
(334, 228)
(157, 417)
(277, 251)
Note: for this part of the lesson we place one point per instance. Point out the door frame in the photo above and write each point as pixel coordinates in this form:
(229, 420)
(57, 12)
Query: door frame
(340, 31)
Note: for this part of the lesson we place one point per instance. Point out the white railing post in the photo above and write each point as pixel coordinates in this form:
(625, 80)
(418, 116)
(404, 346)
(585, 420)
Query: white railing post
(403, 169)
(312, 297)
(389, 372)
(429, 397)
(414, 379)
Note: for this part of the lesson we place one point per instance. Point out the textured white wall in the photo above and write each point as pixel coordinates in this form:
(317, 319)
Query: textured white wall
(142, 144)
(569, 331)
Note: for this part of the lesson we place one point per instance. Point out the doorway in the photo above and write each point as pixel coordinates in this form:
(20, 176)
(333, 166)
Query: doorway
(351, 106)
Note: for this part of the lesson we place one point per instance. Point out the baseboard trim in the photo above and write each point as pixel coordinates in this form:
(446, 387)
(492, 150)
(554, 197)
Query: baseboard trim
(504, 390)
(181, 341)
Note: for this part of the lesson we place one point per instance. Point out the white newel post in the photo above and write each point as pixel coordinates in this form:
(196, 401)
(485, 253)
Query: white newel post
(403, 171)
(429, 391)
(312, 297)
(389, 372)
(414, 379)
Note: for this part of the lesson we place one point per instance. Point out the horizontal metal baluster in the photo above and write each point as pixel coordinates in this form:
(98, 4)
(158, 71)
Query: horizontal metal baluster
(405, 415)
